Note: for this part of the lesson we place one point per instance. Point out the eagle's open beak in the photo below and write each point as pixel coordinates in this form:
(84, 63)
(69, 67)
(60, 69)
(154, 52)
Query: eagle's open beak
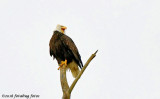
(63, 28)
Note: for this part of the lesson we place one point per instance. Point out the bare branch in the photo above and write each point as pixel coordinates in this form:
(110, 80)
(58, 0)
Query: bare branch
(64, 83)
(80, 74)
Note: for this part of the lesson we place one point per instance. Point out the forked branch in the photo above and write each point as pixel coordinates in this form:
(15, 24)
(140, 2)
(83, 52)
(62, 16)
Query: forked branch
(64, 84)
(81, 72)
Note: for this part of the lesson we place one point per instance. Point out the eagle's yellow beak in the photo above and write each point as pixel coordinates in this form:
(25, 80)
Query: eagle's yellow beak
(63, 29)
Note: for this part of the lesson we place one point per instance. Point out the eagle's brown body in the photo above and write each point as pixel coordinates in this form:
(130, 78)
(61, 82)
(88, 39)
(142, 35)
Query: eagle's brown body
(63, 48)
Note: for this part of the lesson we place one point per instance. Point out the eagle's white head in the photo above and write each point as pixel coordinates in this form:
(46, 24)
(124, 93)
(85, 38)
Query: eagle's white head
(61, 28)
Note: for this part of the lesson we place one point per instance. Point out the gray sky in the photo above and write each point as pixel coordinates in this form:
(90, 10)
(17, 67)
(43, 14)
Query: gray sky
(126, 33)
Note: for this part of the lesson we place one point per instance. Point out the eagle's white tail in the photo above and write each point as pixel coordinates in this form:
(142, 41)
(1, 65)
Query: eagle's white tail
(74, 68)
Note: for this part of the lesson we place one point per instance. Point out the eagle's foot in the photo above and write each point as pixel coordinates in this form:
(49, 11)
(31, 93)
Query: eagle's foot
(62, 63)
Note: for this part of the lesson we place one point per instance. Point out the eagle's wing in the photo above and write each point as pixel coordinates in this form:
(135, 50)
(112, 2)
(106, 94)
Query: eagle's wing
(51, 52)
(70, 45)
(52, 43)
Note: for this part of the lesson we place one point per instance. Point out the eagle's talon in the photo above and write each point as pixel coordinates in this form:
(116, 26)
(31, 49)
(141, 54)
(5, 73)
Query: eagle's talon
(59, 67)
(62, 63)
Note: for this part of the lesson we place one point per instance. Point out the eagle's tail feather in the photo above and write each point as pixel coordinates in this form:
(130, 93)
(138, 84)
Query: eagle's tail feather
(74, 69)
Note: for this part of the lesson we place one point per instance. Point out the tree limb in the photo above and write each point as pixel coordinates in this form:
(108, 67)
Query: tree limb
(64, 84)
(80, 74)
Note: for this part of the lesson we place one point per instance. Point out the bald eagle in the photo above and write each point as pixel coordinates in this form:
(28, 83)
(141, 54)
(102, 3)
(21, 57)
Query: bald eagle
(65, 51)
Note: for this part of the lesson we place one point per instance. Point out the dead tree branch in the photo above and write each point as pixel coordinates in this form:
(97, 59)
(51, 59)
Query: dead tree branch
(80, 74)
(64, 84)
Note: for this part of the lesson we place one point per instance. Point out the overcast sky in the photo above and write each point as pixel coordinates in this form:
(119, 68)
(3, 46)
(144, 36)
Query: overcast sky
(126, 33)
